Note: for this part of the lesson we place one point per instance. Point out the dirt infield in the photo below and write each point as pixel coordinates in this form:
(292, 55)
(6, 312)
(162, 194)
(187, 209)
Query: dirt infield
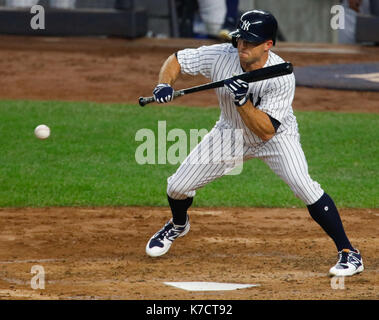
(98, 253)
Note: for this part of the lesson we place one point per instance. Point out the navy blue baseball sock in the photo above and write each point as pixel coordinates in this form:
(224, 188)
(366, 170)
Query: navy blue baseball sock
(179, 210)
(325, 213)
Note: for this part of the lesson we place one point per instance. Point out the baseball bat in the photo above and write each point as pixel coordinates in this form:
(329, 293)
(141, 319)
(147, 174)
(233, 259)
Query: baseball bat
(251, 76)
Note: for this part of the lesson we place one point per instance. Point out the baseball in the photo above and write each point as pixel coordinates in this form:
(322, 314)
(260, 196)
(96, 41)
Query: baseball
(42, 132)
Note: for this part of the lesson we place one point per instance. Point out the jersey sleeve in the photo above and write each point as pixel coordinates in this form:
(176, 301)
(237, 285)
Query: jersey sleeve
(277, 99)
(199, 61)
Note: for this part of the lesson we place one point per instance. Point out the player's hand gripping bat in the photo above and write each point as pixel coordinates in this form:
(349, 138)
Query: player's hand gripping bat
(251, 76)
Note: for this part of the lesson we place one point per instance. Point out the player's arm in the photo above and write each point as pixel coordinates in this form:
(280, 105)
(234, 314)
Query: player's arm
(256, 120)
(187, 61)
(168, 74)
(170, 70)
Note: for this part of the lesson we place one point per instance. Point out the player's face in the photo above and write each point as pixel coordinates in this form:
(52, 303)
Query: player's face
(252, 53)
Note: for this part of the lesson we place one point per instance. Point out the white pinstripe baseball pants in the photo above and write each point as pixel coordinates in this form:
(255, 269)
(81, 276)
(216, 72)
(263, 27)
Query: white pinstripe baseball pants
(283, 154)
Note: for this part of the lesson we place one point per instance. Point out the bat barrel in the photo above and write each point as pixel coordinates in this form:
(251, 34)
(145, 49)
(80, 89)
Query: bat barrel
(289, 67)
(267, 73)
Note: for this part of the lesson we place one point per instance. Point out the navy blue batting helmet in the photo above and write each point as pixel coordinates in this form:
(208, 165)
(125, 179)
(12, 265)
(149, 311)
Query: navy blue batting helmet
(255, 26)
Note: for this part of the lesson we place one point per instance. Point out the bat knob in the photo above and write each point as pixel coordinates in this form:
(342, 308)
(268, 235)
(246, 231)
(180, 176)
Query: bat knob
(142, 101)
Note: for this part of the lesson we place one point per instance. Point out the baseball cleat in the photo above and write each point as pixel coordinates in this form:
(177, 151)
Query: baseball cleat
(349, 263)
(161, 242)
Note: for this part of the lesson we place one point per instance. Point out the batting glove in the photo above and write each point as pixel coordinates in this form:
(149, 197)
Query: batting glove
(239, 89)
(163, 93)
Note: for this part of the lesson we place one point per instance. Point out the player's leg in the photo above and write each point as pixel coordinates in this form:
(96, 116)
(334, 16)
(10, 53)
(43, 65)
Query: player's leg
(286, 158)
(217, 154)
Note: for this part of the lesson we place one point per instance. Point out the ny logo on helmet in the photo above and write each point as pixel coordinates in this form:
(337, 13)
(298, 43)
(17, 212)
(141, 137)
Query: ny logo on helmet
(245, 25)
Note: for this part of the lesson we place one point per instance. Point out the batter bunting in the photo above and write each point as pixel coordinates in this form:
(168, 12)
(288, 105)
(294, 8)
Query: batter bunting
(263, 111)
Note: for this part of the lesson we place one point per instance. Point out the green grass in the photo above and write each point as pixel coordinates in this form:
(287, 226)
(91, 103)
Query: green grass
(89, 160)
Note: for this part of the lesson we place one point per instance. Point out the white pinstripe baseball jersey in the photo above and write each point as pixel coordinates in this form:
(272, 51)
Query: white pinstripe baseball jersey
(282, 153)
(273, 96)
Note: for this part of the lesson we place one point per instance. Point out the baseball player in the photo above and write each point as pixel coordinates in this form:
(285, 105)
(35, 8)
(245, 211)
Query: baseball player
(263, 111)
